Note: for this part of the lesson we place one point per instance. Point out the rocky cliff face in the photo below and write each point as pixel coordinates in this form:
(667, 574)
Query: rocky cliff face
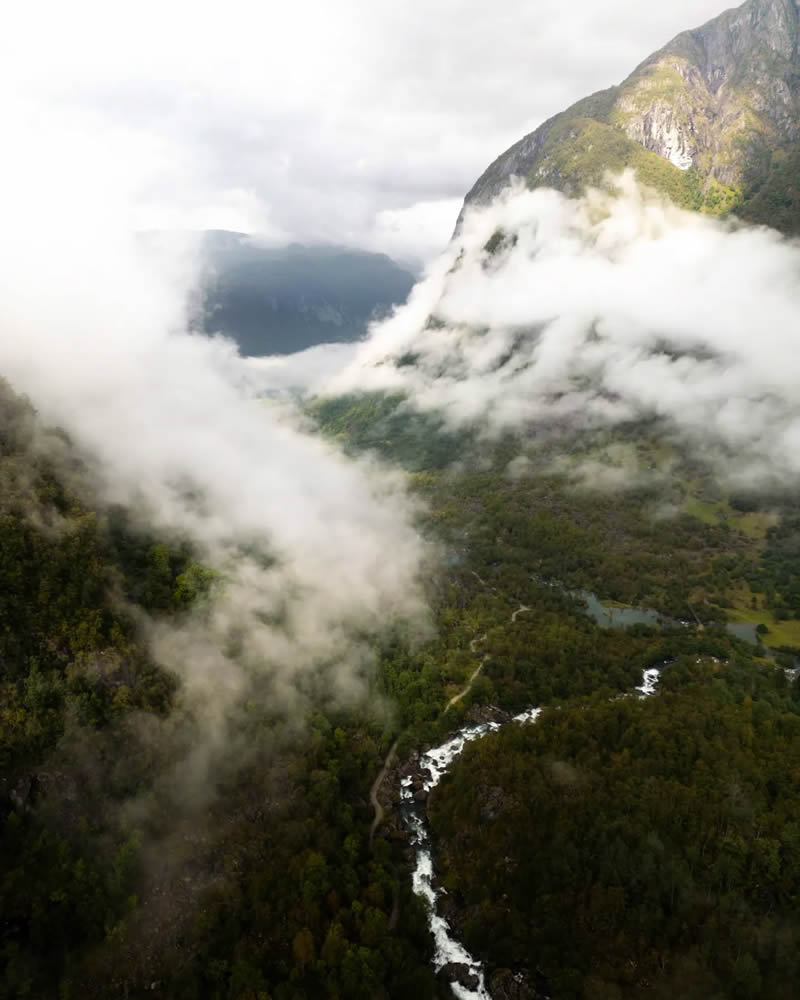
(713, 119)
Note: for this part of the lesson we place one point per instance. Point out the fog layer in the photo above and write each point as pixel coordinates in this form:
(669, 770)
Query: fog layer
(599, 310)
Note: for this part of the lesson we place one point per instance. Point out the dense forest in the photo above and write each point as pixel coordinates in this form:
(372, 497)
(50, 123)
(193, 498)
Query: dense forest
(480, 678)
(648, 847)
(116, 882)
(112, 883)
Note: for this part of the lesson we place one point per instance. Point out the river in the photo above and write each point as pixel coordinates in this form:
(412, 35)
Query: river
(432, 766)
(450, 954)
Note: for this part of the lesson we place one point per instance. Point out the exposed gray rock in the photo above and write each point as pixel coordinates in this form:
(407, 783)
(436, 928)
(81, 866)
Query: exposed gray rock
(720, 99)
(455, 972)
(479, 714)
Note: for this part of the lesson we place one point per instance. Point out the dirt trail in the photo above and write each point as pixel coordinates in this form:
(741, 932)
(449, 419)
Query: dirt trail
(473, 645)
(376, 786)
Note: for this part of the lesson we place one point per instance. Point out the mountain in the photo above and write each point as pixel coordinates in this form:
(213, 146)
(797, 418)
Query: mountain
(158, 840)
(712, 119)
(278, 300)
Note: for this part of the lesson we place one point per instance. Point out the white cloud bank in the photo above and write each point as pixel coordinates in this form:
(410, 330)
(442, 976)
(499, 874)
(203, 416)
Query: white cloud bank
(599, 310)
(317, 549)
(316, 120)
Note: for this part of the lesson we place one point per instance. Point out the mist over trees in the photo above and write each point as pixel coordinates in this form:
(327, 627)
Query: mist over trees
(241, 598)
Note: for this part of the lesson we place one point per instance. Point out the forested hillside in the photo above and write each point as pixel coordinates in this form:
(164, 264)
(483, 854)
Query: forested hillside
(495, 642)
(269, 884)
(647, 848)
(113, 882)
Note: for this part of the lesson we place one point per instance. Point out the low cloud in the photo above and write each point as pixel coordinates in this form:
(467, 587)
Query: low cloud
(317, 551)
(315, 120)
(595, 311)
(304, 372)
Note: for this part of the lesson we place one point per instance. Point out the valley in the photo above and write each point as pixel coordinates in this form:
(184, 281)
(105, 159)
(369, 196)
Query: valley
(460, 663)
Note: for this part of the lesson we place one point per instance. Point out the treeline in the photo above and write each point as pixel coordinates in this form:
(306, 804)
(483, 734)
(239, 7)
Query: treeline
(74, 677)
(304, 907)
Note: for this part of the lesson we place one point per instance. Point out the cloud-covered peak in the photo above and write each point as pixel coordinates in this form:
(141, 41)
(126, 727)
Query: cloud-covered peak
(600, 310)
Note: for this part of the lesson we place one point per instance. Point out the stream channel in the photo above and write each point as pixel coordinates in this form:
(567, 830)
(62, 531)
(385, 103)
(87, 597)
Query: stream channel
(433, 764)
(466, 973)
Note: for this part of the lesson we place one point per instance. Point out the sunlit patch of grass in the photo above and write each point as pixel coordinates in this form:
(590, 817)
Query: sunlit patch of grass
(703, 510)
(755, 524)
(786, 633)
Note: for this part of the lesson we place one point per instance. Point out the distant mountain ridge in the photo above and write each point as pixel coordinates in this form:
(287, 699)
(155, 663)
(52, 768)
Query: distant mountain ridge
(278, 300)
(712, 119)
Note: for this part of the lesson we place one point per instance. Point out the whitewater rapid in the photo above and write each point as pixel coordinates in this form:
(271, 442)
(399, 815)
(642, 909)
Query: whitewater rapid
(436, 762)
(448, 950)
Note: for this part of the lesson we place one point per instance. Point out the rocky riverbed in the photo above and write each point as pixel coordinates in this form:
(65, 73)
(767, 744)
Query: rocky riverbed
(403, 797)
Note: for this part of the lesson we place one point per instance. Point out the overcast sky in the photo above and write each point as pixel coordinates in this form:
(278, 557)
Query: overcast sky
(361, 122)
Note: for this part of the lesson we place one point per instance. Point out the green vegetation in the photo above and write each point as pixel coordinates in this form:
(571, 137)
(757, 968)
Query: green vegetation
(780, 633)
(772, 195)
(703, 510)
(265, 884)
(673, 539)
(649, 848)
(70, 664)
(382, 423)
(114, 874)
(621, 848)
(578, 152)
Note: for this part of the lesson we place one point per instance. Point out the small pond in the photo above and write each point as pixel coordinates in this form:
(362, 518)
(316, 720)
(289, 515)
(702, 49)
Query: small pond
(610, 617)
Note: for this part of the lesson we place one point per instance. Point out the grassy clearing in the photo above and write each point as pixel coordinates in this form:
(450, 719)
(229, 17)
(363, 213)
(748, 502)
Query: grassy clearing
(754, 525)
(780, 633)
(708, 513)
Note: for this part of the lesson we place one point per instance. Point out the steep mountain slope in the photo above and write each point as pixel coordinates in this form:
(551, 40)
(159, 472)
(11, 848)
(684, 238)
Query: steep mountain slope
(277, 300)
(712, 119)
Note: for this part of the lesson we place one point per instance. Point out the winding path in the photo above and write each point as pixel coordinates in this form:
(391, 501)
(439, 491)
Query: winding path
(473, 645)
(376, 786)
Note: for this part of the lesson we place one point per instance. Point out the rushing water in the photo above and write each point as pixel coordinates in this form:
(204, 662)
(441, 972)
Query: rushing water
(433, 765)
(649, 682)
(448, 949)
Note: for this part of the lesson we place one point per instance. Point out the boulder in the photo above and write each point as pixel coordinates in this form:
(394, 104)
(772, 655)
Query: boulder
(457, 972)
